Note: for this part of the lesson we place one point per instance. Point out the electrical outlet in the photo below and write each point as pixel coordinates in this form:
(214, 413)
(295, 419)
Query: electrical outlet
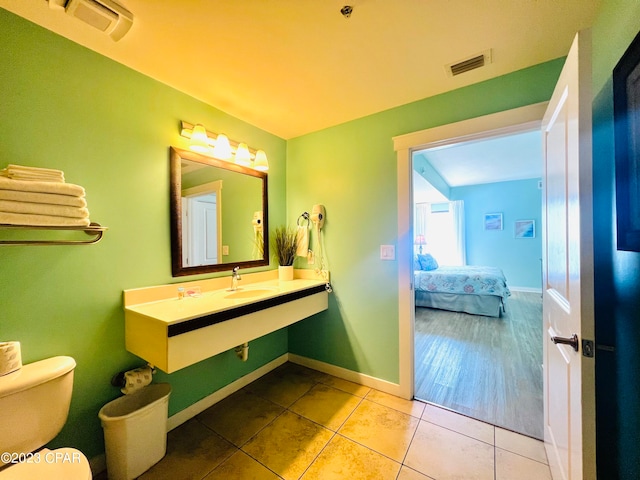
(311, 258)
(225, 250)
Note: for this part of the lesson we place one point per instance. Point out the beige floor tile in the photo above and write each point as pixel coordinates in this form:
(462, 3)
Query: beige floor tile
(241, 466)
(459, 423)
(521, 444)
(510, 466)
(346, 386)
(315, 375)
(383, 429)
(192, 451)
(410, 407)
(285, 424)
(326, 405)
(240, 416)
(343, 459)
(288, 445)
(407, 474)
(285, 384)
(443, 454)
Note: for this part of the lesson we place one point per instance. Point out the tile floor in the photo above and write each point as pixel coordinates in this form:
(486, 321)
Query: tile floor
(297, 423)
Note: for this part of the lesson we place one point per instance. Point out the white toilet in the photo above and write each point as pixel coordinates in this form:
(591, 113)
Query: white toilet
(34, 404)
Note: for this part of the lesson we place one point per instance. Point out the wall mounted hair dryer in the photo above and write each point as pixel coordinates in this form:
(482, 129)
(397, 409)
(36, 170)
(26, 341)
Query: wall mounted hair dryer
(318, 215)
(257, 220)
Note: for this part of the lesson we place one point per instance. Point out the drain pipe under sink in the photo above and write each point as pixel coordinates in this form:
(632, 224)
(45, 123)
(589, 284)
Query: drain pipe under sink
(242, 351)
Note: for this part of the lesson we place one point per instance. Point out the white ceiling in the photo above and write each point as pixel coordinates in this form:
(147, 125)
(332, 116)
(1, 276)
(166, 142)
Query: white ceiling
(498, 159)
(294, 67)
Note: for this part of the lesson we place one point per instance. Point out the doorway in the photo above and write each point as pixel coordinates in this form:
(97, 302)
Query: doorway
(201, 224)
(483, 362)
(501, 124)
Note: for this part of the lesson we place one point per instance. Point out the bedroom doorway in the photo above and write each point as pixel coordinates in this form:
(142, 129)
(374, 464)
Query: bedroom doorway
(468, 358)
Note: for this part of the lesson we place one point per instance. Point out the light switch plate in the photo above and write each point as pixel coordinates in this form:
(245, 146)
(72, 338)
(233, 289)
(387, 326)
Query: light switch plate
(387, 252)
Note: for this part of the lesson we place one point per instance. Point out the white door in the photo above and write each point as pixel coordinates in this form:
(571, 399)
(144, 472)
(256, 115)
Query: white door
(204, 230)
(569, 391)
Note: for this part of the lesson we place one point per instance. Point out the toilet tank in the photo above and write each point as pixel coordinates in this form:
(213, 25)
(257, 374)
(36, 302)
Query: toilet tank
(34, 403)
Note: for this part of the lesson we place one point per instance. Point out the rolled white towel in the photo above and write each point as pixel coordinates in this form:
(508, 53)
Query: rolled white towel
(48, 198)
(42, 187)
(43, 209)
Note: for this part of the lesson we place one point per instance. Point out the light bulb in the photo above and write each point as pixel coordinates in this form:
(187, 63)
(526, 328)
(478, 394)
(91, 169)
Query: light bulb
(222, 150)
(199, 141)
(243, 157)
(261, 163)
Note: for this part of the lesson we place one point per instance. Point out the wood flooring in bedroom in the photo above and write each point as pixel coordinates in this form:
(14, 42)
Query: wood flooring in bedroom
(484, 367)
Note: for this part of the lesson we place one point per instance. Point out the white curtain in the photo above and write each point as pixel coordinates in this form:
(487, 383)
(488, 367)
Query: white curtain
(422, 212)
(457, 209)
(442, 225)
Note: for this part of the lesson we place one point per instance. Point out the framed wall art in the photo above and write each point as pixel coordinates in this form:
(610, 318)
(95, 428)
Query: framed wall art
(493, 221)
(626, 112)
(525, 229)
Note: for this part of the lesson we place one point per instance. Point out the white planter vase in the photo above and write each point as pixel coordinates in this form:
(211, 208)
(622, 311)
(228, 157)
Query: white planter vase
(285, 273)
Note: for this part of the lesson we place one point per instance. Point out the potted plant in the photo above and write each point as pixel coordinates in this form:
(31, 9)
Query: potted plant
(284, 244)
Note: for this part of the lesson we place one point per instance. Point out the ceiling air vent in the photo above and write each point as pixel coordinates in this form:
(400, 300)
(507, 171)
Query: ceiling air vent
(105, 15)
(468, 64)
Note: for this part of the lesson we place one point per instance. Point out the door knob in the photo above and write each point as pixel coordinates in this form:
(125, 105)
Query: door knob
(573, 341)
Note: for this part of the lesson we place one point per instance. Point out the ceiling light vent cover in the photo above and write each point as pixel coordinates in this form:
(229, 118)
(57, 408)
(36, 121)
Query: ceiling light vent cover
(476, 61)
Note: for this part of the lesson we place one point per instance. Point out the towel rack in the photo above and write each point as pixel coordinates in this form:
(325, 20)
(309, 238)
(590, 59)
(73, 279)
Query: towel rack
(304, 216)
(94, 229)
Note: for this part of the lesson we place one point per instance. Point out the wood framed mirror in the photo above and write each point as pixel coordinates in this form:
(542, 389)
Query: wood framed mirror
(218, 215)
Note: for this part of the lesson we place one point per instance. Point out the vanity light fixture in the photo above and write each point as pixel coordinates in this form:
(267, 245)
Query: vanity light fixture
(222, 149)
(199, 141)
(243, 157)
(219, 146)
(261, 162)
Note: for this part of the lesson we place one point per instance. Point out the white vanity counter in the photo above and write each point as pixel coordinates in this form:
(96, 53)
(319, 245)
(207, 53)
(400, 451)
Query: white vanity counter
(174, 310)
(172, 333)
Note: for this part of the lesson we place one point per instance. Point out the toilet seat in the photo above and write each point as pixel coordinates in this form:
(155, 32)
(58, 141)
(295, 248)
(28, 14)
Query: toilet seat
(58, 464)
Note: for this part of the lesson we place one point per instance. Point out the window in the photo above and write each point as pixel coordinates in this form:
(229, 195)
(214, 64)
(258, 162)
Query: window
(442, 225)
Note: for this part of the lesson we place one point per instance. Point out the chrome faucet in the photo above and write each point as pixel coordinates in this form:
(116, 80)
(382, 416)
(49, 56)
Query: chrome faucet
(235, 276)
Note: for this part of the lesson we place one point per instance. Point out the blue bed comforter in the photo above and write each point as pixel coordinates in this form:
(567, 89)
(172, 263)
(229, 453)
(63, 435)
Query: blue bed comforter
(469, 279)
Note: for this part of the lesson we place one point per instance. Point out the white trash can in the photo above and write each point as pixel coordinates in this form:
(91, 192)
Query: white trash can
(135, 431)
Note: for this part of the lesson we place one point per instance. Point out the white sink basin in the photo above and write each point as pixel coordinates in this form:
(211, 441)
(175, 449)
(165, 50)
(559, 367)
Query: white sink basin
(249, 293)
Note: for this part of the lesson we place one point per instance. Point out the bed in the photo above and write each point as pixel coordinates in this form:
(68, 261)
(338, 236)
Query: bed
(470, 289)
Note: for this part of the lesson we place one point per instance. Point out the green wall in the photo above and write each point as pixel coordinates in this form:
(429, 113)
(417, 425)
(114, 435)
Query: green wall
(351, 169)
(243, 199)
(109, 128)
(617, 273)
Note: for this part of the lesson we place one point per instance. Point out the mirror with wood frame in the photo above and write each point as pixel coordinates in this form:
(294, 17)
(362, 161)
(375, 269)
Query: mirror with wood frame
(218, 215)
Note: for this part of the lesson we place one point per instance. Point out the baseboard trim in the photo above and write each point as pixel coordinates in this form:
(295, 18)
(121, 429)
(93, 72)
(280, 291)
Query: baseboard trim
(525, 289)
(345, 374)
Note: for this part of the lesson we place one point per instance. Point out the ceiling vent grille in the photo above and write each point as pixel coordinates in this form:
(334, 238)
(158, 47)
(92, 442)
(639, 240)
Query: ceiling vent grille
(477, 61)
(105, 15)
